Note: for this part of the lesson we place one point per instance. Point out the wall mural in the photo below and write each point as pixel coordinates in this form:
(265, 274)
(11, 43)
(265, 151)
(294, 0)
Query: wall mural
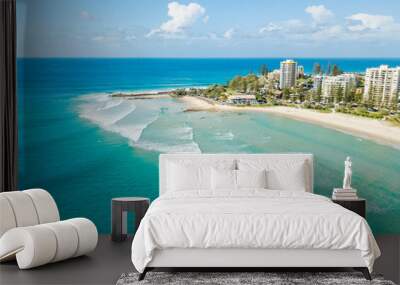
(105, 87)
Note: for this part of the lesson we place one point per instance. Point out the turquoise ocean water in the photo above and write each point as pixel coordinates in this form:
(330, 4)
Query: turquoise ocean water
(86, 148)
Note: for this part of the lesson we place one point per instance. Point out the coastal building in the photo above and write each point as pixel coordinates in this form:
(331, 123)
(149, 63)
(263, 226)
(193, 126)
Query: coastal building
(317, 82)
(288, 74)
(306, 85)
(242, 99)
(331, 85)
(382, 85)
(274, 75)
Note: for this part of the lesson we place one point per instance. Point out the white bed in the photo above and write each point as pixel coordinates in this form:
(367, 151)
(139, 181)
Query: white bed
(288, 226)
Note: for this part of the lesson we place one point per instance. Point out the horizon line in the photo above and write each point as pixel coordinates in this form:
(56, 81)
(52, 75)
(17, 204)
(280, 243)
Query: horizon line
(211, 57)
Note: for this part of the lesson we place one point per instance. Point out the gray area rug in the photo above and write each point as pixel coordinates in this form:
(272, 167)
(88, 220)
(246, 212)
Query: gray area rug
(229, 278)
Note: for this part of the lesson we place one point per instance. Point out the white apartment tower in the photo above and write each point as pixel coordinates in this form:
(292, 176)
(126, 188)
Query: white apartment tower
(382, 85)
(331, 84)
(288, 74)
(317, 81)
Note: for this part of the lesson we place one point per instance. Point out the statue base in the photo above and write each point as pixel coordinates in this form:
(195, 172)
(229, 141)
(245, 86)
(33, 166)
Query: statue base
(345, 190)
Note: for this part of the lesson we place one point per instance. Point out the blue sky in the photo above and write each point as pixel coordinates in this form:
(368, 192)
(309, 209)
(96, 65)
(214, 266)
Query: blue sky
(208, 28)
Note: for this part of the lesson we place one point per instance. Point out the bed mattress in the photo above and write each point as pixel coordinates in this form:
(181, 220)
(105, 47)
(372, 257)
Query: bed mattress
(250, 219)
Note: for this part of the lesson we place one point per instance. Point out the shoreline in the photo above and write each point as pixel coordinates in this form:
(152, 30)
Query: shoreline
(376, 130)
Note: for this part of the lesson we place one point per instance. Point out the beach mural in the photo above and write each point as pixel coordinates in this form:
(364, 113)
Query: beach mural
(100, 96)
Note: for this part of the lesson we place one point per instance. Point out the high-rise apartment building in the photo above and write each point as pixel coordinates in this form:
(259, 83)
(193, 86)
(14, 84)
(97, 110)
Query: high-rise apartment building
(288, 74)
(382, 85)
(331, 84)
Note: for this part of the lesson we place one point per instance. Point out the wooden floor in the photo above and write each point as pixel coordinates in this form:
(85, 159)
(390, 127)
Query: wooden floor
(110, 260)
(103, 266)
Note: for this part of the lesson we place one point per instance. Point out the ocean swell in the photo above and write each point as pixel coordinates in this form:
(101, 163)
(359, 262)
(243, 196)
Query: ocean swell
(130, 118)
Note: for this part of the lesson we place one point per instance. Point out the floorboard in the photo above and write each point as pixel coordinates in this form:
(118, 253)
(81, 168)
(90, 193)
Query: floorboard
(103, 266)
(111, 259)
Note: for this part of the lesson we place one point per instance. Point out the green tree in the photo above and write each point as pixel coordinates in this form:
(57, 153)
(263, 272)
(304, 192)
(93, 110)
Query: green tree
(243, 85)
(180, 92)
(264, 70)
(328, 70)
(317, 68)
(370, 99)
(318, 94)
(349, 95)
(252, 83)
(235, 83)
(259, 97)
(309, 95)
(394, 102)
(286, 93)
(336, 70)
(339, 94)
(357, 97)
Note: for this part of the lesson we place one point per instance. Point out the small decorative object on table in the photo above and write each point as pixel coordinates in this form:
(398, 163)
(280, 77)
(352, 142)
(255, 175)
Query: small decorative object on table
(347, 196)
(120, 207)
(347, 173)
(346, 193)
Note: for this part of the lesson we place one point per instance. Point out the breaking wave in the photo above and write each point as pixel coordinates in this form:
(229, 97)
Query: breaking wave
(130, 118)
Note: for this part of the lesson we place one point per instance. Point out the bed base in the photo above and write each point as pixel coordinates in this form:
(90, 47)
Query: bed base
(250, 259)
(363, 270)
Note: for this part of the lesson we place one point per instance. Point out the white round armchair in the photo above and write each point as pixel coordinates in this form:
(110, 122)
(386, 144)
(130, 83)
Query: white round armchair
(31, 230)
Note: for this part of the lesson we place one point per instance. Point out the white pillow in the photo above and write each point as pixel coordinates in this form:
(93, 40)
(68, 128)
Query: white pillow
(187, 175)
(185, 178)
(292, 179)
(282, 174)
(223, 179)
(251, 178)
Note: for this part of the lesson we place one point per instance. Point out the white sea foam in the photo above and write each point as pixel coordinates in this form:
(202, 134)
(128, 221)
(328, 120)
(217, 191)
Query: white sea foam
(224, 136)
(133, 131)
(191, 147)
(117, 115)
(184, 133)
(130, 118)
(109, 104)
(107, 113)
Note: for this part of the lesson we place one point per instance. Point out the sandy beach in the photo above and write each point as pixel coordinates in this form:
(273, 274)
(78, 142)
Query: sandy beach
(376, 130)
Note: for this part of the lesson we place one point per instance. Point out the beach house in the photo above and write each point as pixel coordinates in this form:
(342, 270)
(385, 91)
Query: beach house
(242, 99)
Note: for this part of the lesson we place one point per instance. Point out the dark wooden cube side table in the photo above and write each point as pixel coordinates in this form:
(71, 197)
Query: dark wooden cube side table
(119, 208)
(358, 206)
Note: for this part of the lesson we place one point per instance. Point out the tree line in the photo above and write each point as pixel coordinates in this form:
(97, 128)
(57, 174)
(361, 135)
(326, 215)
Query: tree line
(333, 70)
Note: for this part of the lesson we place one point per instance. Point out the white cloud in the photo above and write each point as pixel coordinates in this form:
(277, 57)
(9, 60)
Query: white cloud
(297, 26)
(370, 22)
(330, 32)
(181, 18)
(287, 28)
(319, 13)
(359, 27)
(205, 19)
(271, 27)
(229, 33)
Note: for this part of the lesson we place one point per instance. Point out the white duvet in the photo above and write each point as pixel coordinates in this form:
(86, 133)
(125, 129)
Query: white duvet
(250, 219)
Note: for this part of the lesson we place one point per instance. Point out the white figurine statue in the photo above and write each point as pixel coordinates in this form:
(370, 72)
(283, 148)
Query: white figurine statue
(347, 174)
